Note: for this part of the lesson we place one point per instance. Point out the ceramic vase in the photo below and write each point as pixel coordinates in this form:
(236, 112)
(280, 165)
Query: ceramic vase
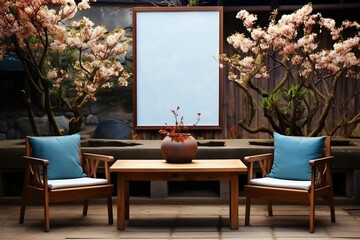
(179, 148)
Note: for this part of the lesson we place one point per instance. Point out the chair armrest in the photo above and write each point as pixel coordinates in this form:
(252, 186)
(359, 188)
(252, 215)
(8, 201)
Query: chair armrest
(324, 160)
(91, 161)
(37, 161)
(321, 175)
(260, 157)
(265, 161)
(99, 157)
(35, 172)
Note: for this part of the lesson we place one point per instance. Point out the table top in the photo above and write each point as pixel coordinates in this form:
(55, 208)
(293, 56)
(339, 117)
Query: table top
(197, 165)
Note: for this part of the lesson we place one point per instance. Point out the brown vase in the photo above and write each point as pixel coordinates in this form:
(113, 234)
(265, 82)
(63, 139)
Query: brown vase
(179, 148)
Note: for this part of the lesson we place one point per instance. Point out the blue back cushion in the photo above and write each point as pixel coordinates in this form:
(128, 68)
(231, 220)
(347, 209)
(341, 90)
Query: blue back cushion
(62, 153)
(292, 155)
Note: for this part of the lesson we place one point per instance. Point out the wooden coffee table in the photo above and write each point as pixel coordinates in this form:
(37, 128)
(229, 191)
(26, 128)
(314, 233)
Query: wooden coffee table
(198, 170)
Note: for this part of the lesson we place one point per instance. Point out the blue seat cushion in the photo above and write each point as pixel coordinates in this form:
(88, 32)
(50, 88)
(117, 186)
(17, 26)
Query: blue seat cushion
(292, 156)
(62, 152)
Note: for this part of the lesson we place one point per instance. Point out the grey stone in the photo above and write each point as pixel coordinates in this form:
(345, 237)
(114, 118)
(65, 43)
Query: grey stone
(112, 129)
(129, 54)
(3, 136)
(11, 122)
(122, 59)
(14, 133)
(3, 127)
(91, 120)
(43, 125)
(129, 65)
(95, 107)
(86, 109)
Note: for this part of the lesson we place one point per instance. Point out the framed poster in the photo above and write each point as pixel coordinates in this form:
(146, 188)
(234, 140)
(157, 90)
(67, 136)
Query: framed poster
(174, 65)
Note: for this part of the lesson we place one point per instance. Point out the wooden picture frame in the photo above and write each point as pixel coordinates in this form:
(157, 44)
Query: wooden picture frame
(174, 65)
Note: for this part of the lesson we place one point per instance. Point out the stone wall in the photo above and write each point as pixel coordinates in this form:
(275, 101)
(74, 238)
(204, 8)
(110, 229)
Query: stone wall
(115, 103)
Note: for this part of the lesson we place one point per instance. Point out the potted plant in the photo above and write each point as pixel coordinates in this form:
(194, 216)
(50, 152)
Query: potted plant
(178, 146)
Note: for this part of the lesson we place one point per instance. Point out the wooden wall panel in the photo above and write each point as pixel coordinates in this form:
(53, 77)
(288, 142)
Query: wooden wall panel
(233, 102)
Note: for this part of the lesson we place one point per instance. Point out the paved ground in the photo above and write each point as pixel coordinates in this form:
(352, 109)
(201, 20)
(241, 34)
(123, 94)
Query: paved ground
(179, 220)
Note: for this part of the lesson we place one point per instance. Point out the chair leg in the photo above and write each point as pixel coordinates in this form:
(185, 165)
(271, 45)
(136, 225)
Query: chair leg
(46, 214)
(332, 208)
(312, 214)
(22, 210)
(247, 211)
(270, 211)
(85, 209)
(110, 210)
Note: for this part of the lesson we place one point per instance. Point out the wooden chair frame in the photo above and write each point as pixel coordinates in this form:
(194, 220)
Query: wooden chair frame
(36, 188)
(321, 185)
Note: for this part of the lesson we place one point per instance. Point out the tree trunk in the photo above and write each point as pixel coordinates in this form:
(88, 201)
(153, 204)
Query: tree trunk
(75, 122)
(53, 125)
(31, 116)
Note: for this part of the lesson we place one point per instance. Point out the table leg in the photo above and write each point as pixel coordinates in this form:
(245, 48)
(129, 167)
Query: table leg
(127, 210)
(121, 206)
(234, 202)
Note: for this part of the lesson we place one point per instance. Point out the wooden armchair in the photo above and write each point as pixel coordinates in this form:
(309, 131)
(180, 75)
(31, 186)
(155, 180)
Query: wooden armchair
(38, 185)
(267, 188)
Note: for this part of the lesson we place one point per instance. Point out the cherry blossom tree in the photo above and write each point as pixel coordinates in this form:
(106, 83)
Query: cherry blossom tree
(304, 72)
(55, 50)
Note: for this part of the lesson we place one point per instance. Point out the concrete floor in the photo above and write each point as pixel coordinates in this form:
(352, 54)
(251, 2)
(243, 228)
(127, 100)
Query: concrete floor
(178, 219)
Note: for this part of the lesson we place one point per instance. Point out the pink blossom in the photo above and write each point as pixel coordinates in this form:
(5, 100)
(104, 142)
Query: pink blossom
(89, 57)
(297, 59)
(68, 10)
(107, 85)
(118, 67)
(232, 76)
(289, 48)
(306, 69)
(351, 60)
(353, 74)
(348, 24)
(248, 19)
(247, 62)
(287, 31)
(120, 49)
(122, 82)
(263, 73)
(84, 4)
(257, 33)
(240, 42)
(328, 23)
(52, 73)
(90, 88)
(58, 46)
